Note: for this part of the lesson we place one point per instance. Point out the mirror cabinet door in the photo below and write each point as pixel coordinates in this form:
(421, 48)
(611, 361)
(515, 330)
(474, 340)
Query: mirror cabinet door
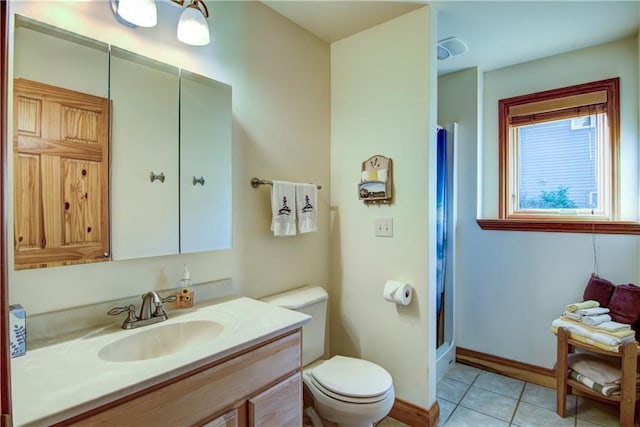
(60, 147)
(144, 197)
(205, 164)
(59, 58)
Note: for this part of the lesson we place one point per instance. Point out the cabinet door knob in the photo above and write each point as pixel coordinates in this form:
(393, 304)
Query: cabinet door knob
(198, 180)
(159, 177)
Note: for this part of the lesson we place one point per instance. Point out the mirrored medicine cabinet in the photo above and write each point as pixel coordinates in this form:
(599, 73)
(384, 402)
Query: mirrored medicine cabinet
(148, 176)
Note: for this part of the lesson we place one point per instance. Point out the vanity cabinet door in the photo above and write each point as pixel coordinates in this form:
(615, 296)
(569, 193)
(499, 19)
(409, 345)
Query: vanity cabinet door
(280, 405)
(230, 419)
(205, 164)
(144, 139)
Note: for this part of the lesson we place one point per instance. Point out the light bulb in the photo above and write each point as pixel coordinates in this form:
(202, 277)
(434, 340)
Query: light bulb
(192, 27)
(142, 13)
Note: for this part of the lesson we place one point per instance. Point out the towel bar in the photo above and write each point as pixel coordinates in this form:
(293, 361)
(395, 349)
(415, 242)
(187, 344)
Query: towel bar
(257, 182)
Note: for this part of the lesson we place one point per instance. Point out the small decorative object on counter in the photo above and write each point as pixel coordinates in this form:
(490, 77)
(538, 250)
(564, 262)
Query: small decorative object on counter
(17, 331)
(184, 296)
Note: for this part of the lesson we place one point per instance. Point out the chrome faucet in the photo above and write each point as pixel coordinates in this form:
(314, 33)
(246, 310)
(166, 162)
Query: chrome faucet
(151, 306)
(151, 311)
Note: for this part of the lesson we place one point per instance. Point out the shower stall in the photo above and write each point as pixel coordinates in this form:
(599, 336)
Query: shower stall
(445, 230)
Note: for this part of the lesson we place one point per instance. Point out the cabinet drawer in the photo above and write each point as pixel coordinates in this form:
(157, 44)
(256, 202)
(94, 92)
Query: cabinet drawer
(194, 397)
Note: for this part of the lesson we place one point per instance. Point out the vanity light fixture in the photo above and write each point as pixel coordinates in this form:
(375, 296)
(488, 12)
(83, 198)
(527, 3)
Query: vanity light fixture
(135, 13)
(192, 26)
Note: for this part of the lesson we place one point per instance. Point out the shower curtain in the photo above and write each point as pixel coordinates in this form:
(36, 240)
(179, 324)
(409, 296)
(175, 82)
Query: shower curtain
(441, 218)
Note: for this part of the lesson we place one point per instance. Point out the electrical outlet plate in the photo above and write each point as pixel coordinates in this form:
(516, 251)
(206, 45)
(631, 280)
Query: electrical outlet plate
(384, 227)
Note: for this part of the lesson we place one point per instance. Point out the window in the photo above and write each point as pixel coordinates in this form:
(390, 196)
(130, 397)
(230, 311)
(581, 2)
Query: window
(558, 154)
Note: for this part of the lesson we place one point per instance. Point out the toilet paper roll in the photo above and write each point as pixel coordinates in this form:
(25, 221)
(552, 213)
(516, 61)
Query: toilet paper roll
(397, 292)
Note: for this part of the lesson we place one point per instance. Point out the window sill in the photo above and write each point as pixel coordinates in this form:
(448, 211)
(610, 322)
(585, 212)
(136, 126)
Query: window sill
(595, 227)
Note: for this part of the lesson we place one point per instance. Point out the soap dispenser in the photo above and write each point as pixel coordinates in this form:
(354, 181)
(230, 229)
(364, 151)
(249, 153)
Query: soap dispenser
(184, 297)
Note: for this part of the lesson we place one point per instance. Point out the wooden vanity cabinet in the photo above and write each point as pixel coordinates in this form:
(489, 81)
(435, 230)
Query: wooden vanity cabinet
(260, 386)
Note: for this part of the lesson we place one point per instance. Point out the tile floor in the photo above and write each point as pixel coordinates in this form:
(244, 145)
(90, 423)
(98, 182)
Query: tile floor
(472, 397)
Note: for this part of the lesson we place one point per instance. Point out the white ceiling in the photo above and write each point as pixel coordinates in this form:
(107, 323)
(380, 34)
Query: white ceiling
(497, 33)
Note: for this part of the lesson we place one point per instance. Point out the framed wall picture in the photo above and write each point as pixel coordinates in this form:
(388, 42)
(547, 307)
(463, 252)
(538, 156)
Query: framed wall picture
(375, 180)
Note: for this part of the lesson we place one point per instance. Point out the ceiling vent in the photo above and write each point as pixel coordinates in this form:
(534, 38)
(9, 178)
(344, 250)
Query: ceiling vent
(451, 46)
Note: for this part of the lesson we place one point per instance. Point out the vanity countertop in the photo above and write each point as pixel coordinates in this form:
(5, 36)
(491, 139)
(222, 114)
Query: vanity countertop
(61, 380)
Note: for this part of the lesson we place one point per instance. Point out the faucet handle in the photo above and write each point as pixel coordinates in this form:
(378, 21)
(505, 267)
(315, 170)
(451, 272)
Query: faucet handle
(159, 311)
(131, 311)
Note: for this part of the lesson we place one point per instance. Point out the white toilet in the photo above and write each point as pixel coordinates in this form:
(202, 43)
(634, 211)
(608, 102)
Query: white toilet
(346, 391)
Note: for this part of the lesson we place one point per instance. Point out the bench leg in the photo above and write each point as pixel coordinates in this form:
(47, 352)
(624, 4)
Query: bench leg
(562, 367)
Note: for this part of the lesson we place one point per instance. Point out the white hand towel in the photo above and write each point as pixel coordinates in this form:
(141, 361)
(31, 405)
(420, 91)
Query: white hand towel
(283, 208)
(595, 320)
(307, 206)
(572, 316)
(594, 311)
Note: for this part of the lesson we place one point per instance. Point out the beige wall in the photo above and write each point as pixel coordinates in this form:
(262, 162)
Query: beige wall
(280, 78)
(382, 90)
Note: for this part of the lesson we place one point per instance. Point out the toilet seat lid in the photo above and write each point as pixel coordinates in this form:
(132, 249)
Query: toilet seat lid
(352, 377)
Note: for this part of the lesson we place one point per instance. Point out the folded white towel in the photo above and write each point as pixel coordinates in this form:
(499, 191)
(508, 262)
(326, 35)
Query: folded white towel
(594, 311)
(283, 208)
(595, 320)
(613, 326)
(604, 337)
(307, 206)
(570, 315)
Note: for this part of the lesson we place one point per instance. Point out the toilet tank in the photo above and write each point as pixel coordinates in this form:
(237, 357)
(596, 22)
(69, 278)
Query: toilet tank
(311, 300)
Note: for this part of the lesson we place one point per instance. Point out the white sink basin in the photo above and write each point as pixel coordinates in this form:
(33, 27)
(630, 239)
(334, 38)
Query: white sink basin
(161, 340)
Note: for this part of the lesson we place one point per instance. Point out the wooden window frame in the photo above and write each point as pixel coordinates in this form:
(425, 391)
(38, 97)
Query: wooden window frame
(550, 100)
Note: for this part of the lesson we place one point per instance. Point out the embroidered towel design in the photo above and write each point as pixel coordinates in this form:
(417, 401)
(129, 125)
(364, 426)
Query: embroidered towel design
(283, 222)
(306, 202)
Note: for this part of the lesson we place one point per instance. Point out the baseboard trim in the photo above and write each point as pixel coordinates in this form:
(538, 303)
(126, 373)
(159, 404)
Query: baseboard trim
(415, 416)
(510, 368)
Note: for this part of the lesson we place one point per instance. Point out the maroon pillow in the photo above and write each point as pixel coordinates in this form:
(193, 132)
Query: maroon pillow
(598, 289)
(625, 304)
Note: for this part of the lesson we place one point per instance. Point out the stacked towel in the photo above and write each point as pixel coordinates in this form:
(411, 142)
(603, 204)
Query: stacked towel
(594, 336)
(615, 329)
(598, 374)
(589, 341)
(596, 319)
(598, 369)
(581, 305)
(593, 311)
(613, 326)
(587, 312)
(598, 289)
